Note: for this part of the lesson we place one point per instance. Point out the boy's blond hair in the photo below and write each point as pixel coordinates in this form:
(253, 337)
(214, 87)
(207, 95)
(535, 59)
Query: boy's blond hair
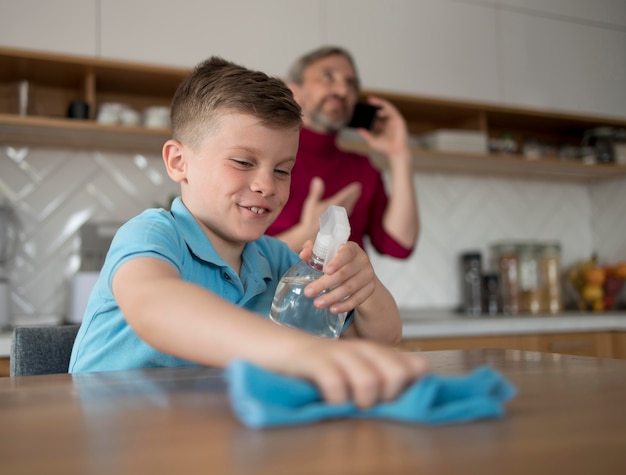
(217, 86)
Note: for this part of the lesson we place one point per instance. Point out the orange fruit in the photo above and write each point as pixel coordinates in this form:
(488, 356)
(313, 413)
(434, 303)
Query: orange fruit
(597, 305)
(595, 275)
(620, 270)
(592, 292)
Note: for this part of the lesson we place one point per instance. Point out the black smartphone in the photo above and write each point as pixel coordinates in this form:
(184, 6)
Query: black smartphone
(364, 116)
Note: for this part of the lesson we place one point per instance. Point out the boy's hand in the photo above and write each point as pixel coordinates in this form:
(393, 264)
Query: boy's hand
(349, 274)
(357, 370)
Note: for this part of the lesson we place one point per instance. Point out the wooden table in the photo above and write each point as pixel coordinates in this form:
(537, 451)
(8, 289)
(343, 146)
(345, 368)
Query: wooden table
(569, 417)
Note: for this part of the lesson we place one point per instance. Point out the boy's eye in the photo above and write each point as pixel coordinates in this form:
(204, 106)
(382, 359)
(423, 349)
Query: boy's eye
(283, 172)
(242, 163)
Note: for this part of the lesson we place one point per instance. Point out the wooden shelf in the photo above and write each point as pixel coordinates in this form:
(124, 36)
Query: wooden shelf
(426, 114)
(57, 80)
(500, 165)
(52, 132)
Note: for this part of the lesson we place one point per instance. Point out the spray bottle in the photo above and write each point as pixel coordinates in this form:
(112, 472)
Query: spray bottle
(290, 306)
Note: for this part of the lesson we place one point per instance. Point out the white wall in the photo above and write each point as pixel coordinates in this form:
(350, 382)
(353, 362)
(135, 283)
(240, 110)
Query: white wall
(551, 54)
(61, 26)
(556, 54)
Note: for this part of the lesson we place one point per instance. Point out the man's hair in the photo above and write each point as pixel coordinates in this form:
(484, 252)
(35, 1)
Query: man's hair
(296, 72)
(216, 87)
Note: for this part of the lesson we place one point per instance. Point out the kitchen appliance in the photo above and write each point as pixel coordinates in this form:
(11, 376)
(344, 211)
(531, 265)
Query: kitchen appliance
(9, 226)
(95, 240)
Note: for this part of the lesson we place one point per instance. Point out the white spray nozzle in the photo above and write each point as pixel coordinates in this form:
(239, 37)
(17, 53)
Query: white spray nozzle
(334, 232)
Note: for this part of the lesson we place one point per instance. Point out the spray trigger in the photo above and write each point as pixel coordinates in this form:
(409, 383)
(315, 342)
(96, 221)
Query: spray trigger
(334, 232)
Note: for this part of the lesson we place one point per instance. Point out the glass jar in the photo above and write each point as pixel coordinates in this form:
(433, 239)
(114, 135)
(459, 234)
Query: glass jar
(529, 289)
(506, 263)
(549, 256)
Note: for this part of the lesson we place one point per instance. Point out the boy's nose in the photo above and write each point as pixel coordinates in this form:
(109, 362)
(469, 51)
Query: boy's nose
(263, 183)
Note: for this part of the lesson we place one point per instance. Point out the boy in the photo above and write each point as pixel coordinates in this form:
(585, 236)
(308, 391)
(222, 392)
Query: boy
(192, 285)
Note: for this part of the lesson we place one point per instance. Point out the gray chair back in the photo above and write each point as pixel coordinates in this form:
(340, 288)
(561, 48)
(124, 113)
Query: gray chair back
(41, 350)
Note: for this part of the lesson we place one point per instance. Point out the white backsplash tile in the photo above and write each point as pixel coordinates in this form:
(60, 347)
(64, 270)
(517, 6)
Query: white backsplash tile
(56, 191)
(461, 213)
(608, 219)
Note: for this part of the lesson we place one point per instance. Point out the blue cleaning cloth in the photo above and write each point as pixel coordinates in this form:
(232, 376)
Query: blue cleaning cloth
(264, 399)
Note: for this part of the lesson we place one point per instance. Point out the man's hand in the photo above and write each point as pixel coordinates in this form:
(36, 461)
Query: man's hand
(314, 206)
(312, 209)
(390, 135)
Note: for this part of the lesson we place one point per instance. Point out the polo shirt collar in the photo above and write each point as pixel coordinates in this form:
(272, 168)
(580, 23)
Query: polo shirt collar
(253, 261)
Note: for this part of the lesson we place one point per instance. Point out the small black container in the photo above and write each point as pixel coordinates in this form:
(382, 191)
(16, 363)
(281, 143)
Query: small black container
(491, 294)
(78, 110)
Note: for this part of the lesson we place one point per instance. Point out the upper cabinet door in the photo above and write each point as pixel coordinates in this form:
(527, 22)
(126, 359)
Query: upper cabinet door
(264, 35)
(426, 47)
(555, 64)
(607, 13)
(59, 26)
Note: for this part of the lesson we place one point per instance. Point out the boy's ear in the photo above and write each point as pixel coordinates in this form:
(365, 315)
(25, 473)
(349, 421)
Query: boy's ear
(295, 90)
(174, 159)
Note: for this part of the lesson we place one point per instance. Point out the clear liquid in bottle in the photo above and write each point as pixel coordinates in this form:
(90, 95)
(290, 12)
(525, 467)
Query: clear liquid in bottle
(290, 306)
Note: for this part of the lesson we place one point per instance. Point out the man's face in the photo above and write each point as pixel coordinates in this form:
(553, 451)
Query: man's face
(328, 93)
(237, 182)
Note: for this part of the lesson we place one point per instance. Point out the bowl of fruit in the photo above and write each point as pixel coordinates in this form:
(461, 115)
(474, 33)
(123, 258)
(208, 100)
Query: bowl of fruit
(597, 287)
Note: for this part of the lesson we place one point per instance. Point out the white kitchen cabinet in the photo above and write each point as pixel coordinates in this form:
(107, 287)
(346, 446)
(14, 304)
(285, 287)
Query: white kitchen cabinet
(609, 12)
(552, 54)
(59, 26)
(426, 47)
(264, 35)
(558, 65)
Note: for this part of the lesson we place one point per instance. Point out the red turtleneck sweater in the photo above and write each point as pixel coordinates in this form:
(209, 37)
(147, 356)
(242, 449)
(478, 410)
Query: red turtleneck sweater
(318, 155)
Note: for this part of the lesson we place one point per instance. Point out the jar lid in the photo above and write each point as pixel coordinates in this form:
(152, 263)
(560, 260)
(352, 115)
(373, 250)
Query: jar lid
(506, 247)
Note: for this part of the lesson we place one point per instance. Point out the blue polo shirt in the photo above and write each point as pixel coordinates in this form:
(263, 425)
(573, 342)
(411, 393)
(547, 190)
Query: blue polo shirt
(106, 342)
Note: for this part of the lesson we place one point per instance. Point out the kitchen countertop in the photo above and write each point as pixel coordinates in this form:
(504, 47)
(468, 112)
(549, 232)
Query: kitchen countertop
(420, 323)
(5, 343)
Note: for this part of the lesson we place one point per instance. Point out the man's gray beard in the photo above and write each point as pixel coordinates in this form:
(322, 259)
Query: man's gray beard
(319, 119)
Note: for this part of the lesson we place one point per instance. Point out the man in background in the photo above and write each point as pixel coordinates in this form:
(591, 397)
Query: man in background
(326, 85)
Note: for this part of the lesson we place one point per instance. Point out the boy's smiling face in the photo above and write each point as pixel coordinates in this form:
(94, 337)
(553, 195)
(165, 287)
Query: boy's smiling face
(237, 181)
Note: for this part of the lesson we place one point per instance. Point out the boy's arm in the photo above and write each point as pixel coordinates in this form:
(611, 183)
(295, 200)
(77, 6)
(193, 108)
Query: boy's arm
(192, 323)
(187, 321)
(378, 318)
